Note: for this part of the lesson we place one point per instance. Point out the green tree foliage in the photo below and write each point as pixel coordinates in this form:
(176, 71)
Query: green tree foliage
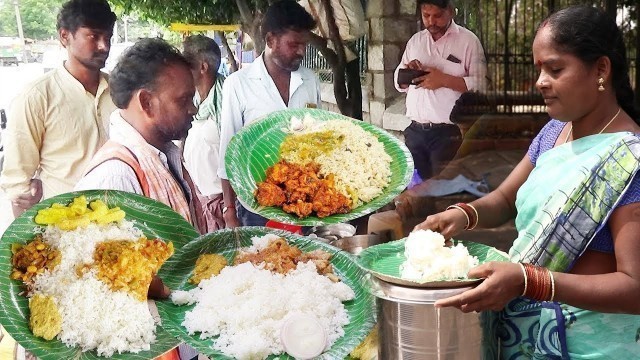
(38, 18)
(193, 11)
(218, 12)
(248, 13)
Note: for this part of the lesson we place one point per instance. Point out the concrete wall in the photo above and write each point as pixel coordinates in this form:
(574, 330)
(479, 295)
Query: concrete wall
(391, 24)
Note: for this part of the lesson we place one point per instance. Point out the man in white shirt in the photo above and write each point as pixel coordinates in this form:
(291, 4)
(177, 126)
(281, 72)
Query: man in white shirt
(275, 81)
(202, 145)
(60, 120)
(455, 62)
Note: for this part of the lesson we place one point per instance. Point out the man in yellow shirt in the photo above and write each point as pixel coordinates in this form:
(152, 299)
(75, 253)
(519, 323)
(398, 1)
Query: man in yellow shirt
(56, 125)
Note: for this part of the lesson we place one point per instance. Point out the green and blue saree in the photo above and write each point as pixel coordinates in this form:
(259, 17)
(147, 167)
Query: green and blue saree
(565, 202)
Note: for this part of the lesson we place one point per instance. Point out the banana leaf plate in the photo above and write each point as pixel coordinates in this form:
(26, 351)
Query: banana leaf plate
(361, 309)
(257, 147)
(154, 219)
(383, 261)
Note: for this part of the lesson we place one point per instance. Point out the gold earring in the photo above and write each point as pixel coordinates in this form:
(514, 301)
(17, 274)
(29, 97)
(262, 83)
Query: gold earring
(601, 84)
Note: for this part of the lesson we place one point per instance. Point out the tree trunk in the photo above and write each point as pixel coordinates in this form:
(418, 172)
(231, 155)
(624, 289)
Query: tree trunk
(251, 24)
(230, 55)
(346, 76)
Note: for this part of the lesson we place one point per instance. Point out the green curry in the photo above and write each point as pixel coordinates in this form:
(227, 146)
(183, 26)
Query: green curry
(306, 147)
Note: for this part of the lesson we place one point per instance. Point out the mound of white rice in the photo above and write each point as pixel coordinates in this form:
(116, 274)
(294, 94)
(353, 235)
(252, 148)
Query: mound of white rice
(247, 306)
(260, 243)
(428, 259)
(360, 164)
(93, 316)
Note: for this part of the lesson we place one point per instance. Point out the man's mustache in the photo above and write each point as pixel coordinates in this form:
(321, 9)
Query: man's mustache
(102, 56)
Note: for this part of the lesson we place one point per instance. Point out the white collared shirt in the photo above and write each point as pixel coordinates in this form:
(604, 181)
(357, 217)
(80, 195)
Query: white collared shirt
(117, 175)
(202, 145)
(250, 94)
(434, 106)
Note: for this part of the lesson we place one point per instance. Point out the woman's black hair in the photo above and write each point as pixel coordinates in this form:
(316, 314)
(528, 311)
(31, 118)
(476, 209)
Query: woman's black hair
(286, 15)
(139, 68)
(94, 14)
(589, 33)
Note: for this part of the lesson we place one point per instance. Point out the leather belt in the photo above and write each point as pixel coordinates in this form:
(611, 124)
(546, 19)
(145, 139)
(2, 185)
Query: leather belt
(425, 126)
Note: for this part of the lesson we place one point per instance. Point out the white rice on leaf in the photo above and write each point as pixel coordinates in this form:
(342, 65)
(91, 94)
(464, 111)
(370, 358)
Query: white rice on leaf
(77, 246)
(247, 306)
(181, 297)
(360, 164)
(428, 259)
(93, 316)
(260, 243)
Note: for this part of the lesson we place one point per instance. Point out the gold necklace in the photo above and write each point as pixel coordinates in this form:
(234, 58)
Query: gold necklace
(603, 129)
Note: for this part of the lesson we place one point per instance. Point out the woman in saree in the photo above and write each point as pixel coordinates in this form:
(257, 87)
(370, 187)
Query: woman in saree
(572, 287)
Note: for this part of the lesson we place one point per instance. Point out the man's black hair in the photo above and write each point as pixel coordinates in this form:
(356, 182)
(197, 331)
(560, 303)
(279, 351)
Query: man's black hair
(139, 68)
(202, 48)
(442, 4)
(286, 15)
(94, 14)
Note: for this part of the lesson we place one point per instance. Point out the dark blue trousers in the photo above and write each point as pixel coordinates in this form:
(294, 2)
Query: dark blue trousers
(432, 147)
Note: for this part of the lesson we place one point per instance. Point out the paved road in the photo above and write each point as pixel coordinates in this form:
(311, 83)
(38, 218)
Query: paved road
(14, 78)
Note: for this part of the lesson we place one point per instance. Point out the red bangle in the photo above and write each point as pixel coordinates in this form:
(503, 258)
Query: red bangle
(540, 283)
(472, 215)
(470, 212)
(477, 217)
(466, 215)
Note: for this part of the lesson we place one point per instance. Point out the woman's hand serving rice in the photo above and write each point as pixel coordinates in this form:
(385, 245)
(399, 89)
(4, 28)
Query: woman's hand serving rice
(503, 282)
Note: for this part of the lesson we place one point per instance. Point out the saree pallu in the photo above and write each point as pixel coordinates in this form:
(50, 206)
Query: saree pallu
(567, 199)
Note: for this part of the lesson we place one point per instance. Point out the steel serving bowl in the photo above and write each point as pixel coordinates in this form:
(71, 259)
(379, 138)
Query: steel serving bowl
(355, 244)
(332, 232)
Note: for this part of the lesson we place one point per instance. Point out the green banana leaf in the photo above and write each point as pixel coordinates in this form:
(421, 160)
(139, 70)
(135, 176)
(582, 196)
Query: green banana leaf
(383, 261)
(256, 147)
(155, 219)
(227, 242)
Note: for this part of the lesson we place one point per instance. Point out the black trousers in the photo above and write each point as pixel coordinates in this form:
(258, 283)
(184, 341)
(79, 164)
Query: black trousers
(432, 147)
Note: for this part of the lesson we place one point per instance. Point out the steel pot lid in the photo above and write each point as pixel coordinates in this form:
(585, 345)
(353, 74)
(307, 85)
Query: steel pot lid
(404, 294)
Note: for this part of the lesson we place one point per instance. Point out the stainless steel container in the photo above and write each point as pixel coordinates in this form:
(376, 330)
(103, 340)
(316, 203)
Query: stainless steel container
(332, 232)
(356, 243)
(411, 328)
